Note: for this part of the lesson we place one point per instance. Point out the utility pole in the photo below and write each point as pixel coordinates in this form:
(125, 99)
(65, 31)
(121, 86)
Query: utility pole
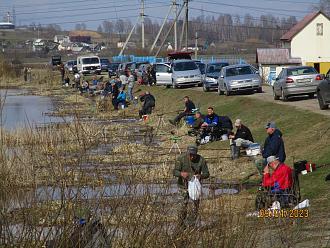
(187, 23)
(175, 26)
(185, 26)
(142, 22)
(129, 36)
(169, 31)
(196, 45)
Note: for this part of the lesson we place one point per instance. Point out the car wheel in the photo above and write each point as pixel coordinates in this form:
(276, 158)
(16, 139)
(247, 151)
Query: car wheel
(259, 90)
(283, 96)
(275, 96)
(174, 85)
(311, 95)
(205, 89)
(322, 105)
(168, 86)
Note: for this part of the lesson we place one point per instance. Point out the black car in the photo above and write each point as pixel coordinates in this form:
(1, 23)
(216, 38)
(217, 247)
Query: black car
(323, 92)
(210, 81)
(112, 69)
(104, 64)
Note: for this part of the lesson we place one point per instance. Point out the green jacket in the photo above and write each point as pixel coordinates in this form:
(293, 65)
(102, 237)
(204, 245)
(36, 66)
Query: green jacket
(197, 123)
(197, 167)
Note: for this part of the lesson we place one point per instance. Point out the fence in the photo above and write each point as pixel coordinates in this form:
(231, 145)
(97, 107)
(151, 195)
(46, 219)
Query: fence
(205, 59)
(132, 58)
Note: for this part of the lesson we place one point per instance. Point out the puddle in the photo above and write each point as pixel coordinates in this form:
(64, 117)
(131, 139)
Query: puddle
(118, 190)
(21, 110)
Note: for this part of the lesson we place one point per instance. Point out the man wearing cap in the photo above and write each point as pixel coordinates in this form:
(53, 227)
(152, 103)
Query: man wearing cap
(242, 138)
(186, 166)
(189, 106)
(273, 146)
(280, 180)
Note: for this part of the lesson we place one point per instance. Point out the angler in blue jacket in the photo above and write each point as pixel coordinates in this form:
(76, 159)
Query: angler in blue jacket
(273, 146)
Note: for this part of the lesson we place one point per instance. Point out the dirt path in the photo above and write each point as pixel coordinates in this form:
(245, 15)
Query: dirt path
(300, 102)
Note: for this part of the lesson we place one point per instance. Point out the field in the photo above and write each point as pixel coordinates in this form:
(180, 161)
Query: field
(108, 169)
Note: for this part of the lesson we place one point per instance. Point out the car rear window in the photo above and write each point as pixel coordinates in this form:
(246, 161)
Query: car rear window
(185, 66)
(105, 61)
(301, 71)
(215, 68)
(90, 61)
(236, 71)
(113, 66)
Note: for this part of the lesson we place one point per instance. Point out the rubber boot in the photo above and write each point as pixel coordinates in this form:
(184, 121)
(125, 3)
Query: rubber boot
(235, 151)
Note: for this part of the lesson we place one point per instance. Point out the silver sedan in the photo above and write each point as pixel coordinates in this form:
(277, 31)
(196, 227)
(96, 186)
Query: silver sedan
(238, 78)
(298, 80)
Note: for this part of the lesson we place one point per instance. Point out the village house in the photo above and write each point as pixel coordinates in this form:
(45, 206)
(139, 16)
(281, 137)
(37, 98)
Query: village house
(309, 40)
(271, 61)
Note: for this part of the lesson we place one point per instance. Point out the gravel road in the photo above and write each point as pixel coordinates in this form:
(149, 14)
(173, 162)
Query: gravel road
(300, 102)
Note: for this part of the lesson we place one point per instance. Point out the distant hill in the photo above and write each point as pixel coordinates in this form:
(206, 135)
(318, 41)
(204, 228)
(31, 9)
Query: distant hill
(92, 34)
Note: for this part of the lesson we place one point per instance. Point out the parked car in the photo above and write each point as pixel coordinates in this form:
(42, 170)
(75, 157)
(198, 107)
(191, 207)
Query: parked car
(112, 69)
(323, 92)
(238, 78)
(88, 64)
(104, 64)
(163, 74)
(71, 66)
(185, 73)
(124, 67)
(135, 68)
(298, 80)
(201, 66)
(212, 73)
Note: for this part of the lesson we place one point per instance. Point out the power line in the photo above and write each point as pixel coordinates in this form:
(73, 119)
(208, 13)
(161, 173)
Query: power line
(251, 17)
(86, 21)
(90, 13)
(228, 25)
(76, 9)
(254, 8)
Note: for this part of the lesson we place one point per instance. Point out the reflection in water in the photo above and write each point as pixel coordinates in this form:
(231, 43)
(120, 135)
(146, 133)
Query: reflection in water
(25, 110)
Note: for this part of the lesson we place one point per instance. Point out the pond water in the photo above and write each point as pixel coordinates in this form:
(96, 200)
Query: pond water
(22, 110)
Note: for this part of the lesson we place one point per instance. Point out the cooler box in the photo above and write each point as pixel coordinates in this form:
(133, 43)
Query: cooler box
(253, 150)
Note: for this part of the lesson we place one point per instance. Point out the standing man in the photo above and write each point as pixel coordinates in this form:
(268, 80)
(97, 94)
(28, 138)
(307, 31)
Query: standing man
(115, 93)
(62, 71)
(186, 166)
(131, 83)
(25, 70)
(242, 138)
(189, 106)
(273, 146)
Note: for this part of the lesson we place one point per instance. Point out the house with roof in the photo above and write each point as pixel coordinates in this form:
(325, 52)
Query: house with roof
(271, 61)
(309, 40)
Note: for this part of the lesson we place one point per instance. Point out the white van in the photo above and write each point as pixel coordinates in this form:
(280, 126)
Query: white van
(89, 64)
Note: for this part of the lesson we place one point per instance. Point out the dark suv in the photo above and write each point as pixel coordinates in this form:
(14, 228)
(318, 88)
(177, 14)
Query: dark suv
(323, 92)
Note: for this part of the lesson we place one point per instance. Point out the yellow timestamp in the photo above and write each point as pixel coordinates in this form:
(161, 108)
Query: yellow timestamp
(284, 213)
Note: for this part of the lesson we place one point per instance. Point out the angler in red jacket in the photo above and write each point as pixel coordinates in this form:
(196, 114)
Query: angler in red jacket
(281, 178)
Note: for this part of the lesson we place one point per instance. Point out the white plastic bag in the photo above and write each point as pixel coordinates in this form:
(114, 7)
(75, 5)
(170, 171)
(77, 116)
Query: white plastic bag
(194, 188)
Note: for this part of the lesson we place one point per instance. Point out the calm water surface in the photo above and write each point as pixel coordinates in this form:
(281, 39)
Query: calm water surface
(22, 110)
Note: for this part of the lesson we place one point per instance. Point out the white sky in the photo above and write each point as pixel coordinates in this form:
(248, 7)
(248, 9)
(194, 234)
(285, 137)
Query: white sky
(68, 13)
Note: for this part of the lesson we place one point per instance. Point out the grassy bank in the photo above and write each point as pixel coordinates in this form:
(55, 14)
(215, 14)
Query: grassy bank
(306, 134)
(146, 220)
